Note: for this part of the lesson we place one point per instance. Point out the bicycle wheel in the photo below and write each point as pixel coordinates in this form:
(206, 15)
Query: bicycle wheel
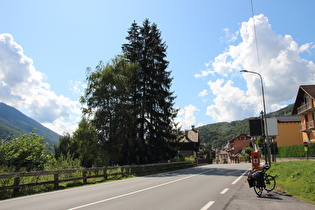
(270, 183)
(258, 190)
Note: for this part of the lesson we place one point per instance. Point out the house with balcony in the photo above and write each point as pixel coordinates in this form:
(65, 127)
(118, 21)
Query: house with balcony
(304, 106)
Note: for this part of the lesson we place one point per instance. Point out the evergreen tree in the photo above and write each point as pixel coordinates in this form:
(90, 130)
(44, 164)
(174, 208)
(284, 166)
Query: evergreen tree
(152, 98)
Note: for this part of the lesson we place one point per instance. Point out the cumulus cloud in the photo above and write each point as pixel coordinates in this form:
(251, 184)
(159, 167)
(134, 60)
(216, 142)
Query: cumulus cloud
(186, 117)
(280, 64)
(22, 86)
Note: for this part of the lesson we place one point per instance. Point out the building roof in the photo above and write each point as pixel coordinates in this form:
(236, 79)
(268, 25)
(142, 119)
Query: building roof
(288, 119)
(239, 136)
(303, 89)
(190, 136)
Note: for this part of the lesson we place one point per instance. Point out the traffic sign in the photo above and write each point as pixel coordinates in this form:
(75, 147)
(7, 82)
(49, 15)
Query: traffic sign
(305, 144)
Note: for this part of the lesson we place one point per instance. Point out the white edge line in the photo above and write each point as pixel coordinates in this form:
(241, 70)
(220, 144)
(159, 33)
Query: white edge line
(207, 206)
(236, 180)
(138, 191)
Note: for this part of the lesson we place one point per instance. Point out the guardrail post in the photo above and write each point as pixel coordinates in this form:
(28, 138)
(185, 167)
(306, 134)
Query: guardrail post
(56, 181)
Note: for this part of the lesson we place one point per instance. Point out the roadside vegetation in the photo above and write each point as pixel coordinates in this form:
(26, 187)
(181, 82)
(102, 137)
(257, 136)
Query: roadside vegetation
(296, 178)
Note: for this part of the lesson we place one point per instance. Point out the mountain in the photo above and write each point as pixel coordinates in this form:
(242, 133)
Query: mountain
(14, 122)
(218, 134)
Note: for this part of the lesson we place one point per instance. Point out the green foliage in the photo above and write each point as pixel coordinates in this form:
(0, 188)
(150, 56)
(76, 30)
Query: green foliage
(296, 178)
(296, 151)
(218, 134)
(64, 162)
(129, 106)
(26, 151)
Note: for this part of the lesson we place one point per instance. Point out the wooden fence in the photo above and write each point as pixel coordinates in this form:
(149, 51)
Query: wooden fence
(55, 177)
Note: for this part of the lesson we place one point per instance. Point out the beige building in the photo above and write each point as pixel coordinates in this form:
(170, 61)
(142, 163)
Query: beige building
(289, 131)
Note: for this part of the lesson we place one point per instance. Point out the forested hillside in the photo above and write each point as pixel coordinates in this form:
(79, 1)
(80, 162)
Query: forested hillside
(218, 134)
(13, 123)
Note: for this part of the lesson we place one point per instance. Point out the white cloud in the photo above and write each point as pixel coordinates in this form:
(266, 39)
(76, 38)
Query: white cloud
(230, 37)
(306, 47)
(281, 66)
(22, 86)
(186, 117)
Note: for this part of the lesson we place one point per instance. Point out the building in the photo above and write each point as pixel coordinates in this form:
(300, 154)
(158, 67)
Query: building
(289, 131)
(222, 155)
(189, 144)
(304, 106)
(235, 147)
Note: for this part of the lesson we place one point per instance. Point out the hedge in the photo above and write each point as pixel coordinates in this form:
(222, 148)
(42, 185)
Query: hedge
(296, 151)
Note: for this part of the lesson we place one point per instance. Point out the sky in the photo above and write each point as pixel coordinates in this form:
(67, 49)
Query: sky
(46, 47)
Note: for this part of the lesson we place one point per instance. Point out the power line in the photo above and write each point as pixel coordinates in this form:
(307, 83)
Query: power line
(255, 35)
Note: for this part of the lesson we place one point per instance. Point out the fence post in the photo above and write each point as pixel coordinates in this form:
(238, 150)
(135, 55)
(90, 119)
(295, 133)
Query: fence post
(105, 173)
(56, 181)
(84, 177)
(16, 185)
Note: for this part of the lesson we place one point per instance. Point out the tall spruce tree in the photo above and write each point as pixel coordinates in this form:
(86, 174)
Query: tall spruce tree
(152, 99)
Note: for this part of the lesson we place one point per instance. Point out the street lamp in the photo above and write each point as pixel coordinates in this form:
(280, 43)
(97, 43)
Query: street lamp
(265, 115)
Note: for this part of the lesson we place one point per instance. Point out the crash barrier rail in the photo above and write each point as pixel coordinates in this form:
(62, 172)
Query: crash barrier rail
(260, 180)
(58, 176)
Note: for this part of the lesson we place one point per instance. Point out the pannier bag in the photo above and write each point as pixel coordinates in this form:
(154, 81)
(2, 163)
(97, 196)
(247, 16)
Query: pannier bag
(259, 177)
(250, 179)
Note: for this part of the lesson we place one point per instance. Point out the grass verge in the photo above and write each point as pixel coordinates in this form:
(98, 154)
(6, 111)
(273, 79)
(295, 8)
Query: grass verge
(296, 178)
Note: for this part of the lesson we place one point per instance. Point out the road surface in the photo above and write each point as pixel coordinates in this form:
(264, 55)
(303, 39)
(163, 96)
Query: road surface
(218, 186)
(192, 188)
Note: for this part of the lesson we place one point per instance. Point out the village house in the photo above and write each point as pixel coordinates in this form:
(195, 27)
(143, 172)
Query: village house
(235, 147)
(304, 106)
(189, 144)
(222, 155)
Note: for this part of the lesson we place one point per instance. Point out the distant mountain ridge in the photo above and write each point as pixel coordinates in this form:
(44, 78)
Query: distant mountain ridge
(13, 123)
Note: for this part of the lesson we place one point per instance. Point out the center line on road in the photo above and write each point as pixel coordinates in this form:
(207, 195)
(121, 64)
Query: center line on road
(224, 191)
(207, 206)
(137, 191)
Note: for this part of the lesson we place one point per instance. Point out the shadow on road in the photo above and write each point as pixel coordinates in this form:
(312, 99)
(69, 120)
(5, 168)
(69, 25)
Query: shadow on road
(214, 170)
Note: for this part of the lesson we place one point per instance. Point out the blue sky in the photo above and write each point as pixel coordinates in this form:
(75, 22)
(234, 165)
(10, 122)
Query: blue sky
(46, 46)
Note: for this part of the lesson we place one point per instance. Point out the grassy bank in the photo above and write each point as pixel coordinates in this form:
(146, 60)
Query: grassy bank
(296, 178)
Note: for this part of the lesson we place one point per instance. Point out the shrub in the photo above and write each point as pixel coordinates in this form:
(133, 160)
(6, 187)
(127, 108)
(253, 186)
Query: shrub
(296, 151)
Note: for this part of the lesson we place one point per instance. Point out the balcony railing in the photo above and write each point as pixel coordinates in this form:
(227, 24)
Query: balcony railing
(303, 127)
(310, 125)
(304, 108)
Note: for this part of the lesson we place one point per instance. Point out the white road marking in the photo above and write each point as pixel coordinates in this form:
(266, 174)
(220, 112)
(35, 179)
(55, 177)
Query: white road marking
(137, 191)
(207, 206)
(224, 191)
(236, 180)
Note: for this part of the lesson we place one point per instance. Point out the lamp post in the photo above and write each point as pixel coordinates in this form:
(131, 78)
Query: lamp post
(264, 114)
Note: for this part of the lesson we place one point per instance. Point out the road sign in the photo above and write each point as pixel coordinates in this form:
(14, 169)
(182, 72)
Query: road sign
(305, 144)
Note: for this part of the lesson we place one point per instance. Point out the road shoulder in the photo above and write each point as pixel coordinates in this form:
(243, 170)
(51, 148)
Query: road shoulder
(245, 198)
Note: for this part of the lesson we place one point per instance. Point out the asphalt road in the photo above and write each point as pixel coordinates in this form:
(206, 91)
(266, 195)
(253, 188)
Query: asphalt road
(200, 188)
